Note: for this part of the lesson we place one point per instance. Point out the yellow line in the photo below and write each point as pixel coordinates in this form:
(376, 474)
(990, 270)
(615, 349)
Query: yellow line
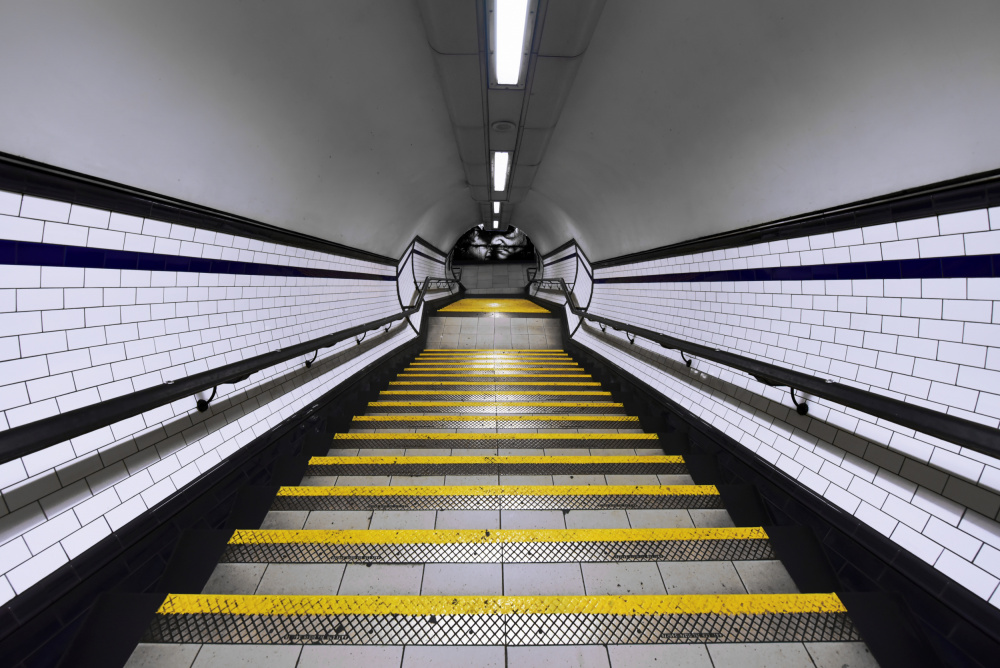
(629, 606)
(505, 490)
(485, 404)
(491, 383)
(495, 367)
(575, 393)
(495, 374)
(494, 350)
(496, 459)
(476, 418)
(490, 363)
(492, 536)
(491, 436)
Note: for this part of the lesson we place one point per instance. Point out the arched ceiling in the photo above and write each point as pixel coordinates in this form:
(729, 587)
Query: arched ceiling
(321, 117)
(691, 118)
(336, 119)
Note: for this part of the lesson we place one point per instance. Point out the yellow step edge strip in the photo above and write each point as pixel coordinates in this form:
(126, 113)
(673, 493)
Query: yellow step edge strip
(498, 459)
(495, 436)
(458, 352)
(489, 375)
(494, 350)
(728, 604)
(496, 367)
(492, 536)
(491, 383)
(576, 393)
(476, 404)
(505, 490)
(476, 418)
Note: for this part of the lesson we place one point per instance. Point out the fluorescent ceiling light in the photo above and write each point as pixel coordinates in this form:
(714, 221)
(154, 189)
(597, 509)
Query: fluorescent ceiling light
(496, 224)
(511, 19)
(500, 160)
(496, 207)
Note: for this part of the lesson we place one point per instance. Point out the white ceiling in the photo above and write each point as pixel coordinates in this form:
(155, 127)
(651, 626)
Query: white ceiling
(321, 117)
(686, 117)
(689, 118)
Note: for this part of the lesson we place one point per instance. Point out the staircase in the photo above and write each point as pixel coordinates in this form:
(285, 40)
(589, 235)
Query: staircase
(498, 507)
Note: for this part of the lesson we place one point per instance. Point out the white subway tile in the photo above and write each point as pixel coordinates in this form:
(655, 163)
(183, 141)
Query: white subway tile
(13, 276)
(934, 370)
(966, 221)
(969, 576)
(44, 209)
(914, 229)
(983, 243)
(917, 544)
(51, 532)
(968, 310)
(125, 223)
(900, 250)
(20, 229)
(942, 246)
(876, 519)
(67, 235)
(79, 542)
(81, 215)
(106, 239)
(961, 353)
(10, 203)
(979, 379)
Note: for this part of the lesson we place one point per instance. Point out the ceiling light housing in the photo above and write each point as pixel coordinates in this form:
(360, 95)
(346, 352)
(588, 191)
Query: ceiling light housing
(511, 25)
(496, 224)
(496, 207)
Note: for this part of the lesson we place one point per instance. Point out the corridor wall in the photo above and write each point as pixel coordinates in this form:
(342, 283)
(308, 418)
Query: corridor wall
(908, 309)
(95, 304)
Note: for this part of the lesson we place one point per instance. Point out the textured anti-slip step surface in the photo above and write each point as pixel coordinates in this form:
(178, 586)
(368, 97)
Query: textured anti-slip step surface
(500, 620)
(474, 394)
(498, 546)
(492, 376)
(496, 465)
(499, 422)
(529, 440)
(499, 407)
(495, 370)
(498, 497)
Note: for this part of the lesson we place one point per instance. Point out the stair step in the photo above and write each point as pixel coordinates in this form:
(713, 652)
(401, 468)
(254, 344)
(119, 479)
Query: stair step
(500, 620)
(497, 376)
(493, 440)
(498, 546)
(496, 465)
(491, 386)
(499, 407)
(498, 422)
(487, 395)
(498, 497)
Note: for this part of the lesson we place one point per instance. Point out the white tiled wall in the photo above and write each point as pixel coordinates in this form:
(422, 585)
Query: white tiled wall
(575, 272)
(73, 337)
(931, 342)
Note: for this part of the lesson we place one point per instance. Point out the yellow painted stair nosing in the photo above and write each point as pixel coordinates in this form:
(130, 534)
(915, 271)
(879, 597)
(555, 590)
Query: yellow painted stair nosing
(503, 490)
(485, 404)
(490, 536)
(471, 418)
(494, 436)
(727, 604)
(496, 459)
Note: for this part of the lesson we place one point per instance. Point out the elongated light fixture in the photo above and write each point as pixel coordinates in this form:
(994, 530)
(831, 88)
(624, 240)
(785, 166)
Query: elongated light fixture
(511, 20)
(496, 224)
(500, 161)
(496, 207)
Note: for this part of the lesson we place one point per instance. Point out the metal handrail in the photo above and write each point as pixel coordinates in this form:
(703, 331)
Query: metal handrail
(959, 431)
(35, 436)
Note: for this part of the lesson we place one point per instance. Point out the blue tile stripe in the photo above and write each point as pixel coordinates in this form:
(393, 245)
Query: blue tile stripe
(965, 266)
(562, 259)
(31, 254)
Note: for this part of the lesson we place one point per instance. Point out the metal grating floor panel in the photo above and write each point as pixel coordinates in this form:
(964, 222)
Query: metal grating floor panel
(500, 465)
(520, 441)
(487, 422)
(498, 546)
(498, 497)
